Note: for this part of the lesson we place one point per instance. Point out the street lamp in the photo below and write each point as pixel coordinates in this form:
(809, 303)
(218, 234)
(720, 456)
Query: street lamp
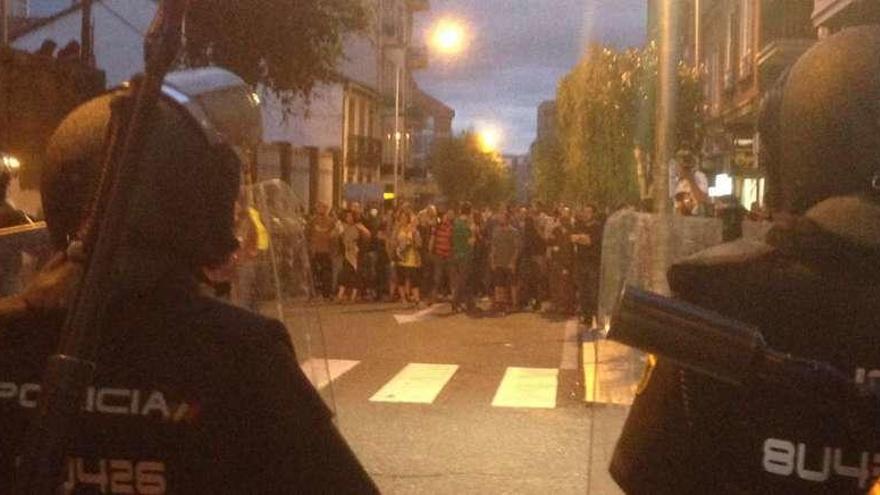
(489, 139)
(448, 37)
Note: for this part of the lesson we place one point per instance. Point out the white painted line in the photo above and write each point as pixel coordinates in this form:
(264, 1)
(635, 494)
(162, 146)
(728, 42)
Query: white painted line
(591, 379)
(570, 343)
(428, 313)
(321, 372)
(527, 387)
(417, 383)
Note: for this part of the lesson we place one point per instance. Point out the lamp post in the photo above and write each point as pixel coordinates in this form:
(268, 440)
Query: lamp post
(397, 133)
(448, 38)
(670, 14)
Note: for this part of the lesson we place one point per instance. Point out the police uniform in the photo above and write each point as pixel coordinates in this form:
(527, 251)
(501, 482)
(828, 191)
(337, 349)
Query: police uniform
(813, 289)
(813, 294)
(190, 395)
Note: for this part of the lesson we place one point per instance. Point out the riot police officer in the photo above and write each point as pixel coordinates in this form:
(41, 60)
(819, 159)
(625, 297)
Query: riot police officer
(813, 288)
(191, 395)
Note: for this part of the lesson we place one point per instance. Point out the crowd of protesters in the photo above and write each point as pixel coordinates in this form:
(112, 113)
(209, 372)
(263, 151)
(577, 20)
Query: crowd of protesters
(535, 258)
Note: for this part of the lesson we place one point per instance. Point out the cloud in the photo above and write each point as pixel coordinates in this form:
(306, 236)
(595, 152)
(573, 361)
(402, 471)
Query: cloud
(519, 51)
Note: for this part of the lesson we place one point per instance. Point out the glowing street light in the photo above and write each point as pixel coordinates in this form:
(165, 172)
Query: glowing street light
(10, 162)
(448, 37)
(489, 139)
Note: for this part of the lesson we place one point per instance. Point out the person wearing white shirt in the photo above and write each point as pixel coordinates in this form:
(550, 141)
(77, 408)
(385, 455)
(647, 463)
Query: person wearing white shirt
(691, 190)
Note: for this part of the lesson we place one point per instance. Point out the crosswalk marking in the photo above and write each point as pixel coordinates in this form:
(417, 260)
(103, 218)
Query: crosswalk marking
(321, 372)
(591, 381)
(527, 388)
(611, 372)
(416, 383)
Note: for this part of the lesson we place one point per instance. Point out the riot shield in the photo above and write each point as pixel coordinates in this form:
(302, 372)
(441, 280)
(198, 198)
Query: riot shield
(273, 275)
(613, 372)
(23, 249)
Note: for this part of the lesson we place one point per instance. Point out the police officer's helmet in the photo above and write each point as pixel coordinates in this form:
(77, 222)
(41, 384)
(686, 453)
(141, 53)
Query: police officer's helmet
(820, 129)
(187, 185)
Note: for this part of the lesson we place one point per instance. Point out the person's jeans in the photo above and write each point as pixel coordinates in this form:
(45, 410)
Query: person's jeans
(323, 266)
(442, 270)
(588, 288)
(462, 270)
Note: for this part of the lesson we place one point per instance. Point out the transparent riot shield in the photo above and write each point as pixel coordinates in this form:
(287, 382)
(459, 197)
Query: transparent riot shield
(274, 277)
(613, 372)
(23, 249)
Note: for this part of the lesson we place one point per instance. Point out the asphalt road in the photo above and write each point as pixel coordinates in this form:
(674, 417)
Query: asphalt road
(436, 403)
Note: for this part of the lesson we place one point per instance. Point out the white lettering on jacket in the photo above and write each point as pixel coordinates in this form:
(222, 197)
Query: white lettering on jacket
(109, 400)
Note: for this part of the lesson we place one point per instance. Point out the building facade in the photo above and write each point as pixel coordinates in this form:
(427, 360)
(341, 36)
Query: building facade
(520, 167)
(746, 46)
(342, 136)
(546, 120)
(430, 122)
(741, 47)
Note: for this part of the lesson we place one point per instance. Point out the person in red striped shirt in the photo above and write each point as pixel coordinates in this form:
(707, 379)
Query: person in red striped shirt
(441, 253)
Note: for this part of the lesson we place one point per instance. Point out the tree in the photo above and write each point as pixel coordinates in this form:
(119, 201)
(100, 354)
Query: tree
(605, 112)
(465, 173)
(287, 46)
(549, 169)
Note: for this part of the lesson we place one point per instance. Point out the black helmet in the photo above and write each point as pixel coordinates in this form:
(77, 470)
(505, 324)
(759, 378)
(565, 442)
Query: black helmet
(183, 204)
(828, 141)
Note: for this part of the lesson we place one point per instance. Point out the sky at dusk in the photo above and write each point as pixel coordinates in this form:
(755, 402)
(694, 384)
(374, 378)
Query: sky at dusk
(519, 50)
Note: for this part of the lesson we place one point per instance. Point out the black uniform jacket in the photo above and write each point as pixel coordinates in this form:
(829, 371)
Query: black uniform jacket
(191, 396)
(814, 291)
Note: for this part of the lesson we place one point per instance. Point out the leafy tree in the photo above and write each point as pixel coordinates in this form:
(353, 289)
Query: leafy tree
(605, 111)
(465, 173)
(549, 170)
(287, 46)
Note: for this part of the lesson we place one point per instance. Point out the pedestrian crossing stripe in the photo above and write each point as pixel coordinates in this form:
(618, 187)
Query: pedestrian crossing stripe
(322, 372)
(611, 372)
(527, 388)
(421, 383)
(416, 383)
(591, 378)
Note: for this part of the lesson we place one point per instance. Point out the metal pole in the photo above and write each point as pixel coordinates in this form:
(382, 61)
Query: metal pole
(397, 135)
(697, 33)
(667, 101)
(670, 13)
(4, 22)
(404, 125)
(86, 48)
